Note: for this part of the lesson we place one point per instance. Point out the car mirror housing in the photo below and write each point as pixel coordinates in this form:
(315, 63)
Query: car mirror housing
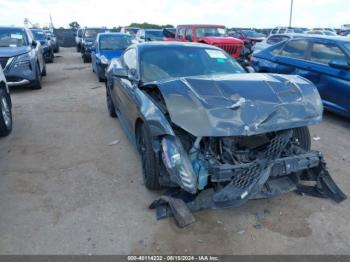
(34, 43)
(339, 64)
(132, 75)
(120, 72)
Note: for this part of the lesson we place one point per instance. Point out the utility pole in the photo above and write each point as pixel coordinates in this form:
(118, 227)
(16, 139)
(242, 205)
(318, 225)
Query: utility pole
(291, 13)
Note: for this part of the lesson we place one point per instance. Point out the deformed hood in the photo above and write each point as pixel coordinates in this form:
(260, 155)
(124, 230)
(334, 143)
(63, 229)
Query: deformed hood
(241, 104)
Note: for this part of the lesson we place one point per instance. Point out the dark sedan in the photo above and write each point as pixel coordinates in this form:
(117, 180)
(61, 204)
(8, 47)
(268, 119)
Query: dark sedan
(41, 37)
(325, 61)
(202, 124)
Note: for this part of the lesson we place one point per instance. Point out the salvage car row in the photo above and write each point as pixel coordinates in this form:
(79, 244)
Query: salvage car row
(23, 56)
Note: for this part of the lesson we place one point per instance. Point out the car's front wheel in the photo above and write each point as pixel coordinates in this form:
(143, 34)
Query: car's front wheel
(302, 134)
(150, 169)
(37, 81)
(5, 114)
(110, 104)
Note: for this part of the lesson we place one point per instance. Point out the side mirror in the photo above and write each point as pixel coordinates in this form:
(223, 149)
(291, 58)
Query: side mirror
(132, 75)
(34, 44)
(142, 37)
(339, 64)
(120, 72)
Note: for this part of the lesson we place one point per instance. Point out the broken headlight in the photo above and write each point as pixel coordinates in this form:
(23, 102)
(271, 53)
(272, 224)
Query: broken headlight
(178, 164)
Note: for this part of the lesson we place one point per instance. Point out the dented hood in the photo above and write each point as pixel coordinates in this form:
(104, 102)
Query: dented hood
(241, 104)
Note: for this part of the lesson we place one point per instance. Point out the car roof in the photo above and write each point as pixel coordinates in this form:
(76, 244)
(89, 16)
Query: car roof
(113, 33)
(326, 37)
(12, 27)
(202, 25)
(145, 45)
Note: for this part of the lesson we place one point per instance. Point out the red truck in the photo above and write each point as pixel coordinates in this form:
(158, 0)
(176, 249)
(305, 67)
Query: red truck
(209, 34)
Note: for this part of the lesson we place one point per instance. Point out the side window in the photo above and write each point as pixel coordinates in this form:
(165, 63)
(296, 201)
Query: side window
(189, 34)
(274, 31)
(180, 33)
(129, 58)
(282, 31)
(324, 53)
(295, 49)
(80, 33)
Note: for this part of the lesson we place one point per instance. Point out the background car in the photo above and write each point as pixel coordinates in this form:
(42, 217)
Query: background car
(41, 37)
(146, 35)
(288, 30)
(78, 38)
(132, 31)
(321, 32)
(5, 107)
(21, 57)
(272, 40)
(107, 46)
(88, 38)
(53, 39)
(322, 60)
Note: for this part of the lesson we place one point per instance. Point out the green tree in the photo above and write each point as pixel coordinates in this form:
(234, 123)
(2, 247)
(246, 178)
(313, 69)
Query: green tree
(74, 25)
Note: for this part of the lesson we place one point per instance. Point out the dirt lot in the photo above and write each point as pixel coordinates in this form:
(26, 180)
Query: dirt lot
(65, 190)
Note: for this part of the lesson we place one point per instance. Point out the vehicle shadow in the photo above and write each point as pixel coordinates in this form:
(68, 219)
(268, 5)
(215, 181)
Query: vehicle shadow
(336, 119)
(21, 89)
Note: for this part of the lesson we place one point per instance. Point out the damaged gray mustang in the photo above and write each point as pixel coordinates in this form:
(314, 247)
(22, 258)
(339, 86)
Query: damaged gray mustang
(215, 135)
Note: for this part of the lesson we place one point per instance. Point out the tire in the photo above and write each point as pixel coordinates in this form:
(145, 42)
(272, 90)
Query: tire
(5, 114)
(110, 105)
(78, 48)
(43, 73)
(86, 60)
(150, 168)
(51, 56)
(303, 136)
(37, 81)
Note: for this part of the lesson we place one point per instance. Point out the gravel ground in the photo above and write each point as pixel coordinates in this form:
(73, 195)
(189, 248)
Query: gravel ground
(65, 190)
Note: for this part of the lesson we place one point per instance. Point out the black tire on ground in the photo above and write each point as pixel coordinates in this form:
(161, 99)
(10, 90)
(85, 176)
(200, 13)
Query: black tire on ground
(51, 56)
(303, 136)
(86, 60)
(78, 48)
(150, 168)
(5, 114)
(57, 49)
(37, 81)
(43, 73)
(110, 105)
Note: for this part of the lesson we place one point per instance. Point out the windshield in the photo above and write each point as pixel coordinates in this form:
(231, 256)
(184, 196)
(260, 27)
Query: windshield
(210, 31)
(114, 42)
(38, 35)
(251, 33)
(155, 35)
(132, 31)
(92, 33)
(12, 37)
(183, 61)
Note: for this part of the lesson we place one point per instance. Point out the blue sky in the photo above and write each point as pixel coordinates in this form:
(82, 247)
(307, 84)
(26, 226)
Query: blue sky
(232, 13)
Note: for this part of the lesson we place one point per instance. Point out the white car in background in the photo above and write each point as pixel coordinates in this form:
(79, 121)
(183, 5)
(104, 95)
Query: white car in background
(5, 106)
(272, 40)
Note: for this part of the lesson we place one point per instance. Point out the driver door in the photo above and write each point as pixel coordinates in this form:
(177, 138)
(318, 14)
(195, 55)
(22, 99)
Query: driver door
(124, 91)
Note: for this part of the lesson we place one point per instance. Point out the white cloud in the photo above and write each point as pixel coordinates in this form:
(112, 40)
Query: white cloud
(239, 13)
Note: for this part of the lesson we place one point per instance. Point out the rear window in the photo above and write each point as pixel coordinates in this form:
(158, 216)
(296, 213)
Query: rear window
(295, 49)
(114, 42)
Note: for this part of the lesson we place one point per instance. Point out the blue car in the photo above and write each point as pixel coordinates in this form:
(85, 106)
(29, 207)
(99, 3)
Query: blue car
(107, 47)
(325, 61)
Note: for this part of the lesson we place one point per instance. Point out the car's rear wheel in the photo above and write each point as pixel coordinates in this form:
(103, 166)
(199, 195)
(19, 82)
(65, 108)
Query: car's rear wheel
(43, 73)
(51, 56)
(78, 48)
(110, 105)
(37, 81)
(302, 134)
(5, 114)
(150, 169)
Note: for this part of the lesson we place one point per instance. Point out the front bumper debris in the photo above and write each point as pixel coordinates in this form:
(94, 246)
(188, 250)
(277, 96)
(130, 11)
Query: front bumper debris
(263, 178)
